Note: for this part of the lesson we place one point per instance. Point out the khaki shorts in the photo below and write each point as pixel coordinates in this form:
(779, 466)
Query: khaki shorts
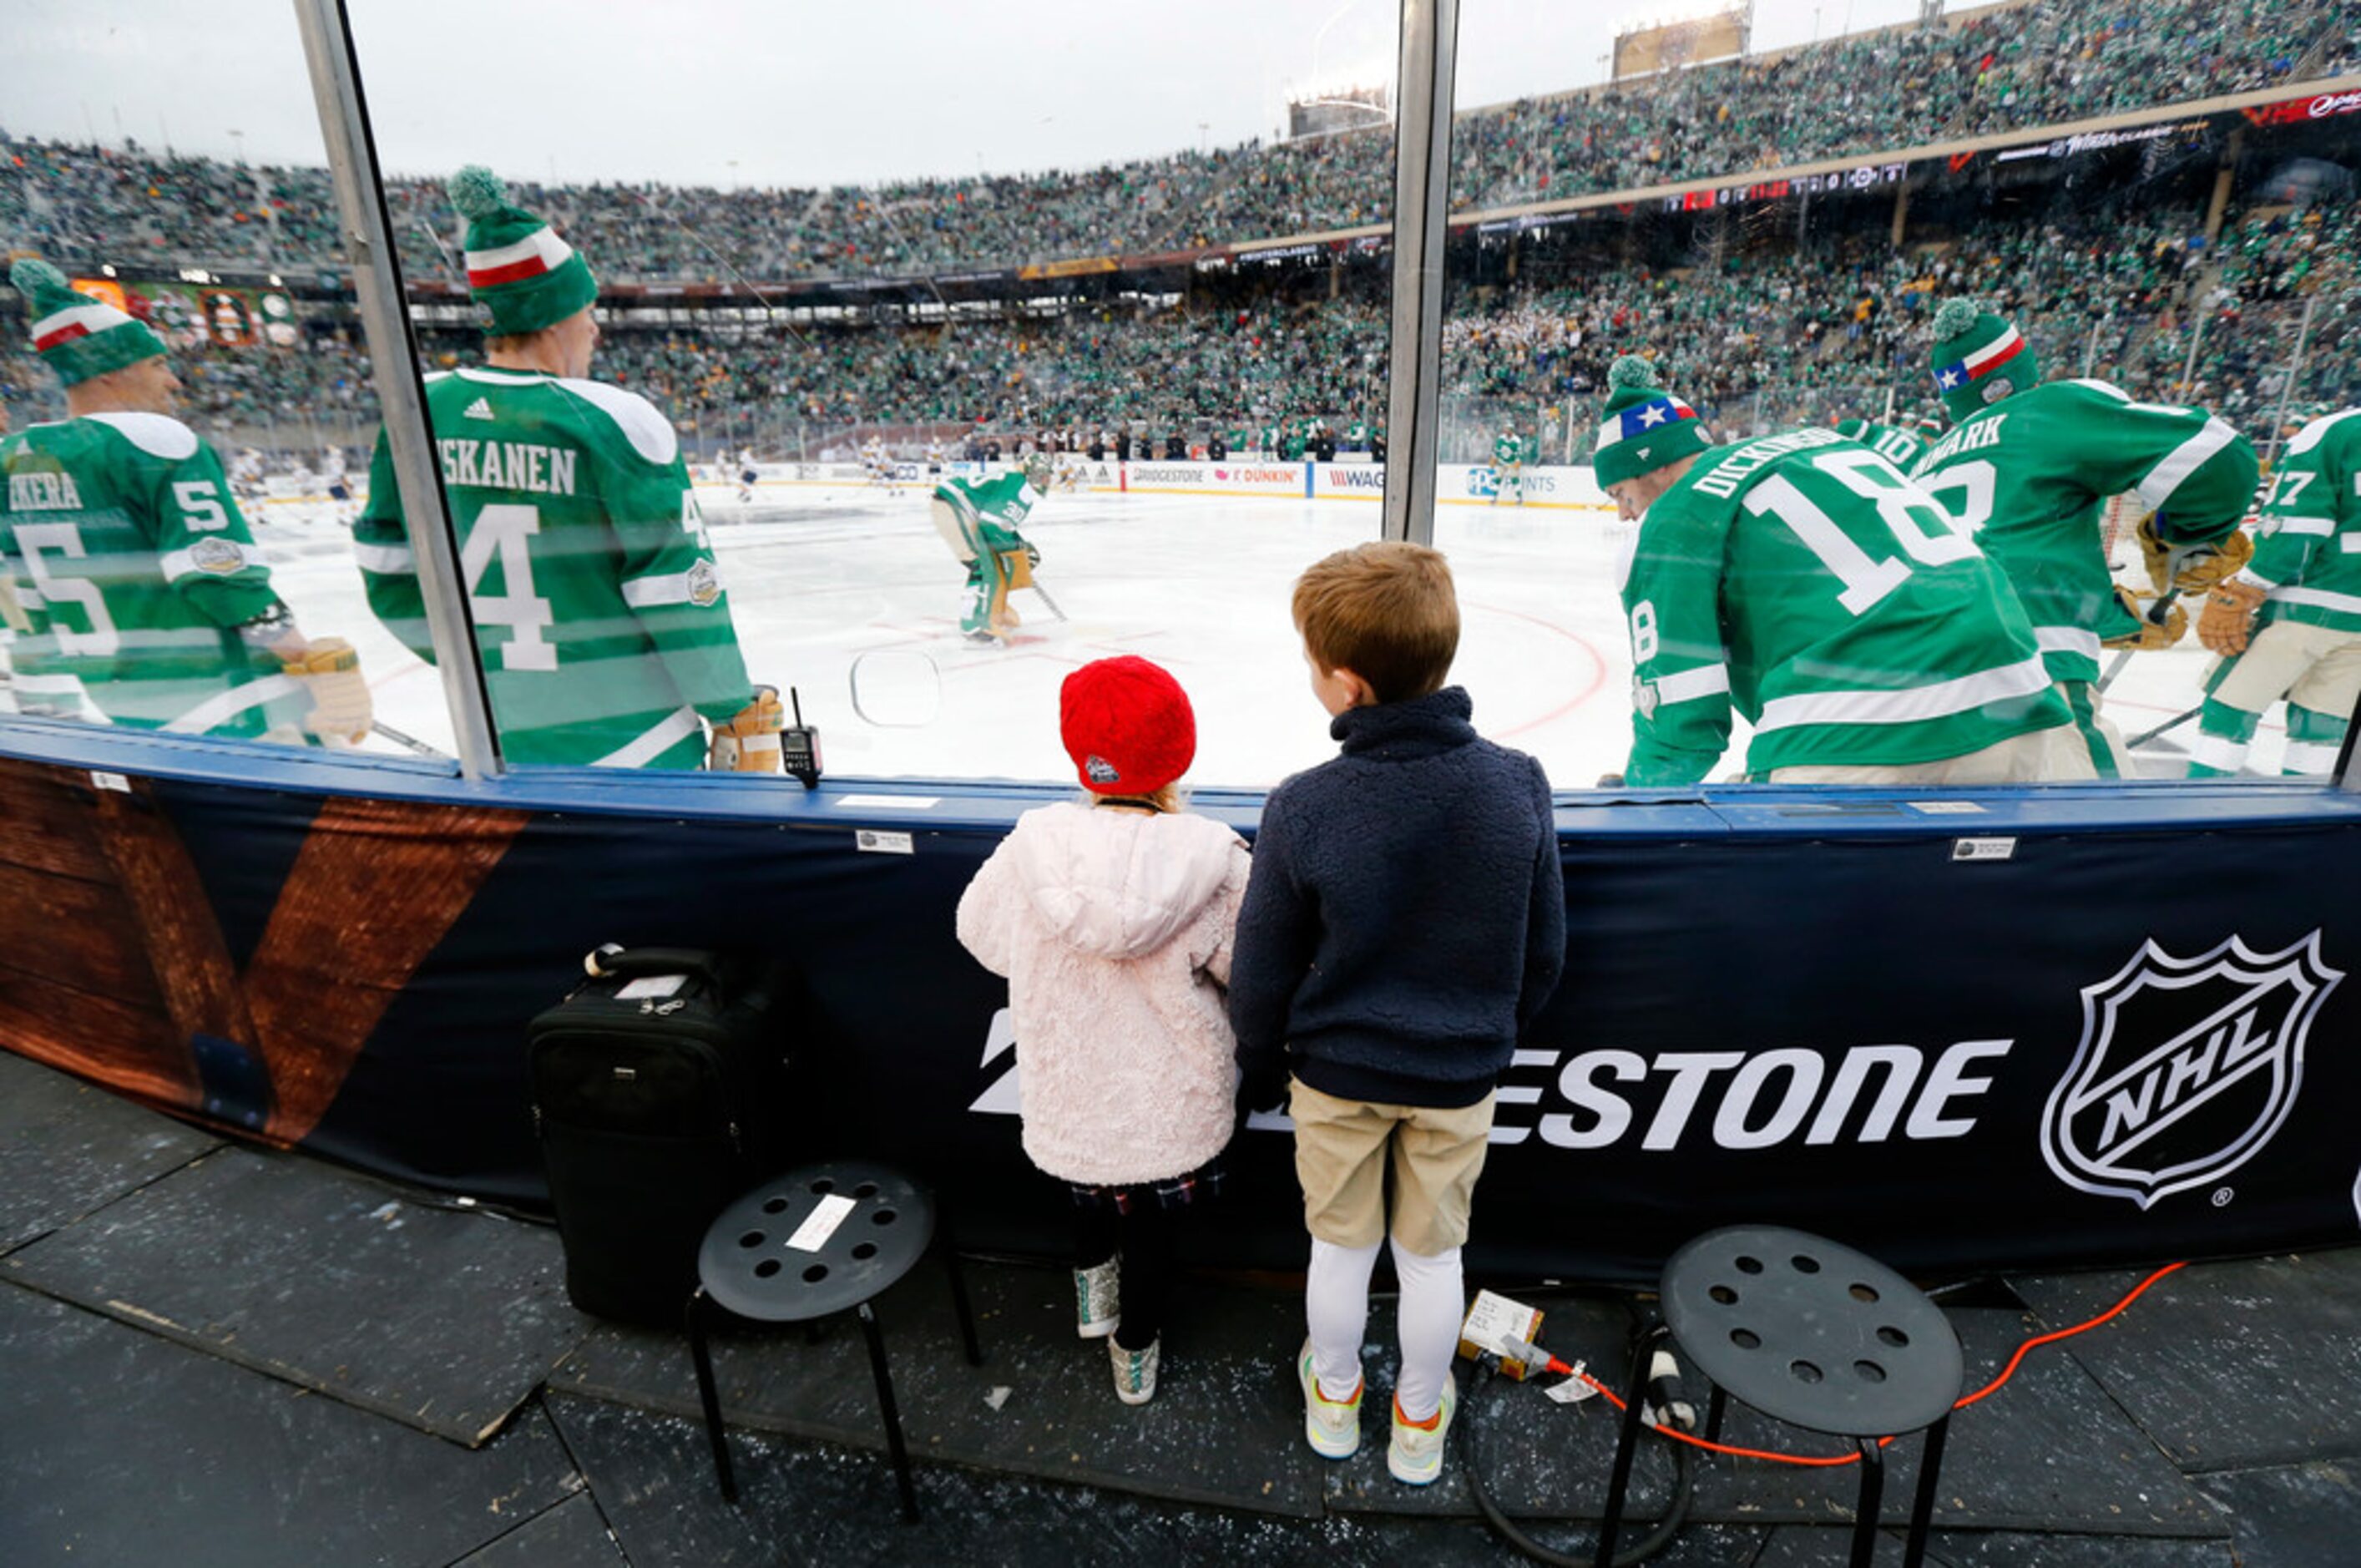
(2310, 665)
(1340, 1148)
(2055, 755)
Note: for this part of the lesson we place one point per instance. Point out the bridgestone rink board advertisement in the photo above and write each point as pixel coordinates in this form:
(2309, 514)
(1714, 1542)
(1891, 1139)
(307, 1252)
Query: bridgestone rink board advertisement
(1955, 1061)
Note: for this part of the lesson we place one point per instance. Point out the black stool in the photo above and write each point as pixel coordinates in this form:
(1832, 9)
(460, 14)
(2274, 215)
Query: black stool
(1814, 1334)
(814, 1242)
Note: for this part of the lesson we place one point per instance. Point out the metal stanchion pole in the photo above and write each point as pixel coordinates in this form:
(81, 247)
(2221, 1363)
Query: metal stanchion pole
(368, 232)
(1430, 35)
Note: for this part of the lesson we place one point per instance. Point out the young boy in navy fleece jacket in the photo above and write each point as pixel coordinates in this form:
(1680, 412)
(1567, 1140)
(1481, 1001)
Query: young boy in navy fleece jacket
(1404, 921)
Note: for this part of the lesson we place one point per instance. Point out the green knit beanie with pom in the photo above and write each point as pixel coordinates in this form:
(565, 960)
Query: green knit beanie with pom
(1980, 358)
(517, 267)
(80, 336)
(1644, 427)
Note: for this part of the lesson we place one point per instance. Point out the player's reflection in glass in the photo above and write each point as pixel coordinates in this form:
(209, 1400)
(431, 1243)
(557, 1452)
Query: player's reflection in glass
(134, 590)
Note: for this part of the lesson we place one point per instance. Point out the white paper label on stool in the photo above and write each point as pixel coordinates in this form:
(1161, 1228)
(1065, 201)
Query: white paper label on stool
(821, 1223)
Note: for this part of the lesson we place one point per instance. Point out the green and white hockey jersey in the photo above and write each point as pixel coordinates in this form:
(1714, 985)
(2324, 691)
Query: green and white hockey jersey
(1802, 581)
(2029, 477)
(1898, 446)
(131, 560)
(2308, 554)
(601, 616)
(1002, 503)
(1507, 451)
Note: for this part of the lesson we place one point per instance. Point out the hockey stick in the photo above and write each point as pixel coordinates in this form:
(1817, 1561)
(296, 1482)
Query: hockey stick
(1036, 588)
(407, 742)
(2175, 722)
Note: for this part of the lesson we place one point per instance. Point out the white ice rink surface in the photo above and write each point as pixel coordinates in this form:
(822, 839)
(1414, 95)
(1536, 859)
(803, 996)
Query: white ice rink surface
(824, 583)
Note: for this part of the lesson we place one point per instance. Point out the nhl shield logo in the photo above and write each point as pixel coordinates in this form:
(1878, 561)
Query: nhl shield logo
(2187, 1067)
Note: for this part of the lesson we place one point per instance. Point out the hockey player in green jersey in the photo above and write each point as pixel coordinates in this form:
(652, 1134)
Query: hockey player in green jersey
(1800, 582)
(600, 617)
(1508, 466)
(2027, 471)
(2305, 578)
(979, 519)
(1897, 445)
(142, 599)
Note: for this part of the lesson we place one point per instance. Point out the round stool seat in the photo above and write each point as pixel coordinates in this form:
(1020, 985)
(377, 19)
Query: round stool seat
(1811, 1332)
(819, 1239)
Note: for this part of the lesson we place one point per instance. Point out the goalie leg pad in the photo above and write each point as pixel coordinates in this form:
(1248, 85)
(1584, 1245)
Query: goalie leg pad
(953, 528)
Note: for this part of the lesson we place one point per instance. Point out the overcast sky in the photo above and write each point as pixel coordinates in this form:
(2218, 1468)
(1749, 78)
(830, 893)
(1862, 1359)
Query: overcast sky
(777, 91)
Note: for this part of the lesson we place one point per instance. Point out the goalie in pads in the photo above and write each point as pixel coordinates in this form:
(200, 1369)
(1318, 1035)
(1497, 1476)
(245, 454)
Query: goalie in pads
(979, 518)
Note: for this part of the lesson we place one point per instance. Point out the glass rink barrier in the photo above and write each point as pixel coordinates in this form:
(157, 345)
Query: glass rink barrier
(661, 495)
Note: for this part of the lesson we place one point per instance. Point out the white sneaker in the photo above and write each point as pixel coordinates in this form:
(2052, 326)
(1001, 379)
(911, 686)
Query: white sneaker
(1416, 1456)
(1098, 1301)
(1135, 1372)
(1333, 1427)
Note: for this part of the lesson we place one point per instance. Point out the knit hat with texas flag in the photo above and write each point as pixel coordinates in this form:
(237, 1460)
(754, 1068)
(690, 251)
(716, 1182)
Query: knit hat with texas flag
(1979, 358)
(1645, 428)
(80, 337)
(517, 267)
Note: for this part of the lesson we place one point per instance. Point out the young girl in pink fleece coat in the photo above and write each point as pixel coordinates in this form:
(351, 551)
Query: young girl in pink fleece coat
(1112, 919)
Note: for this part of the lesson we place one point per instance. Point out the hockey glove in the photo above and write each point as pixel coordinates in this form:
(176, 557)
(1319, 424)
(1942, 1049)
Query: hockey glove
(2227, 623)
(2150, 634)
(330, 672)
(748, 743)
(2191, 569)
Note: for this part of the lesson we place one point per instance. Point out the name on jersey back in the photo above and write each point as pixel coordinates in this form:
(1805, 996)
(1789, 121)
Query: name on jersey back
(508, 466)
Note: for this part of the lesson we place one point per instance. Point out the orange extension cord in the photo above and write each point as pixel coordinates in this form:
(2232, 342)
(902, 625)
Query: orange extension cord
(1854, 1458)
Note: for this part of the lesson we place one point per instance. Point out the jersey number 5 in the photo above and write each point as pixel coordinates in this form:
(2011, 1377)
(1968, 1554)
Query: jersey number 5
(102, 640)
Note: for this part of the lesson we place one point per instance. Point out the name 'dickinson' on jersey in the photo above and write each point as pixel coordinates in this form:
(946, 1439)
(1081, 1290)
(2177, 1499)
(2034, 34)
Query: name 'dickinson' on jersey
(508, 466)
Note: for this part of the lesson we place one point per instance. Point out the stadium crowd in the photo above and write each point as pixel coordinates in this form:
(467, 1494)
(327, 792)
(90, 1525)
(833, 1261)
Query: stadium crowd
(2007, 67)
(1756, 337)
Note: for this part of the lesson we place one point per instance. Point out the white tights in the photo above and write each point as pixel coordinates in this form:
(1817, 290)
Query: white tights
(1337, 1310)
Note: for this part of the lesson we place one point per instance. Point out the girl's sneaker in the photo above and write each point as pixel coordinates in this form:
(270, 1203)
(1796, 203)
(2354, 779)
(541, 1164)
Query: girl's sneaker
(1416, 1456)
(1135, 1372)
(1098, 1301)
(1333, 1427)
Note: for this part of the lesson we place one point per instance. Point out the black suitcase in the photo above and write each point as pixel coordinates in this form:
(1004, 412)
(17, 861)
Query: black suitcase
(656, 1085)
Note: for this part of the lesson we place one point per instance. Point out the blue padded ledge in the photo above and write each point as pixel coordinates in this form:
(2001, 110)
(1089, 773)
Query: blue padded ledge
(969, 805)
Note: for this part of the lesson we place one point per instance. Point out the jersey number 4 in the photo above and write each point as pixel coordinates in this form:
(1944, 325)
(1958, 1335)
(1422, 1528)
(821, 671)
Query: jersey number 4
(503, 531)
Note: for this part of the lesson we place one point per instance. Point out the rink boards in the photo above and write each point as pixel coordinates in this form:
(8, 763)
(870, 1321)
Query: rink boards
(1984, 1029)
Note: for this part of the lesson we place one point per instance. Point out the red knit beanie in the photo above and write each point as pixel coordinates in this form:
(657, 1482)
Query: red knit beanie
(1128, 725)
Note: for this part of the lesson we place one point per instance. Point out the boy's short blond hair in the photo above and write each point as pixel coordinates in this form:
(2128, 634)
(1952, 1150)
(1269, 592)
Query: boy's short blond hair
(1385, 611)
